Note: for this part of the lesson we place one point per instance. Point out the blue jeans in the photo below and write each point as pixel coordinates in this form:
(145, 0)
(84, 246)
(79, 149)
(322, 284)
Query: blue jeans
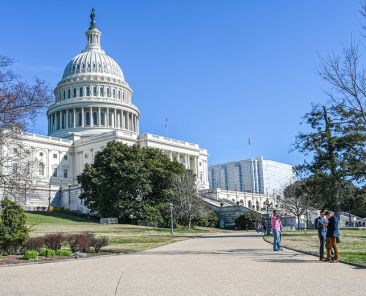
(322, 243)
(276, 240)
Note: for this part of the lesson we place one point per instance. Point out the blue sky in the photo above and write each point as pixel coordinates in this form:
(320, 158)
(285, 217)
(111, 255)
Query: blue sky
(220, 71)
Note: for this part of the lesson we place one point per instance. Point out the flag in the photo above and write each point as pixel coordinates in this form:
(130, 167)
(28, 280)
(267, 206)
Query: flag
(248, 141)
(166, 122)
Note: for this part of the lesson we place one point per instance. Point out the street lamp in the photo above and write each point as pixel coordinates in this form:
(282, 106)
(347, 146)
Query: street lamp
(49, 194)
(268, 205)
(171, 219)
(69, 195)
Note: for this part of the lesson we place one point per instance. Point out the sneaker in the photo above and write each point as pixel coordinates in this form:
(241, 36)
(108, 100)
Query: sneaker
(335, 261)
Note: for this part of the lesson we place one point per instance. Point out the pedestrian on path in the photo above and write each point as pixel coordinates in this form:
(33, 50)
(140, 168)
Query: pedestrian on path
(276, 229)
(259, 227)
(320, 224)
(332, 237)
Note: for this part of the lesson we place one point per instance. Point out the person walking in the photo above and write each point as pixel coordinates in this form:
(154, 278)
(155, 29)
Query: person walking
(320, 224)
(331, 237)
(276, 229)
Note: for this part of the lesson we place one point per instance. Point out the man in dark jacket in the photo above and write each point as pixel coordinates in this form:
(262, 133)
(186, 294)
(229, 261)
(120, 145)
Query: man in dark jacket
(320, 224)
(332, 235)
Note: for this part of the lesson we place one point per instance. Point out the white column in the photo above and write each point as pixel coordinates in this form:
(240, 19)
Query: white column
(74, 117)
(91, 117)
(107, 118)
(99, 117)
(60, 119)
(67, 119)
(123, 119)
(115, 118)
(171, 155)
(82, 117)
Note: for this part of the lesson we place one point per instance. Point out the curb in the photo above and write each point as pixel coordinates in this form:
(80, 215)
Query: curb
(312, 254)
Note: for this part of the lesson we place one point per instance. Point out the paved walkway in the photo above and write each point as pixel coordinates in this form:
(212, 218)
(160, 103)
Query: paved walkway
(214, 265)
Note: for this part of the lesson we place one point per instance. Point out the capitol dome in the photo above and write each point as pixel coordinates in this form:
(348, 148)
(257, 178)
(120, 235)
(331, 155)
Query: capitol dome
(92, 96)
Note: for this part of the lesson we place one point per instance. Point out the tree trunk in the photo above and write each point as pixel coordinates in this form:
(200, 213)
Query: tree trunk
(298, 222)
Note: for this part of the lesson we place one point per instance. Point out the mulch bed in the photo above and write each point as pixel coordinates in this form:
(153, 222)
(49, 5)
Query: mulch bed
(18, 259)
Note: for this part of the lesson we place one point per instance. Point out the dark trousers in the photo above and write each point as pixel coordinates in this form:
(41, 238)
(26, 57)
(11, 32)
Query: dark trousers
(322, 244)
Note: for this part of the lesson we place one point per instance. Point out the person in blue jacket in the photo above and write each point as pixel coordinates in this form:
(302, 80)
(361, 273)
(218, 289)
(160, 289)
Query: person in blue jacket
(320, 224)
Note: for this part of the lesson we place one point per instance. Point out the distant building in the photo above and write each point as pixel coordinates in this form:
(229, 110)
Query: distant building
(251, 175)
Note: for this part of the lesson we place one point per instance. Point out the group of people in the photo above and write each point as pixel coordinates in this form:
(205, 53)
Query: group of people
(328, 231)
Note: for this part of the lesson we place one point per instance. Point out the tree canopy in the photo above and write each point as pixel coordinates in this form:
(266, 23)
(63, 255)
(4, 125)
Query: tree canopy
(129, 182)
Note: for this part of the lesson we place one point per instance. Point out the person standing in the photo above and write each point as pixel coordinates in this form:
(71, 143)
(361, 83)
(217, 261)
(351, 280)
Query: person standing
(276, 229)
(332, 236)
(320, 224)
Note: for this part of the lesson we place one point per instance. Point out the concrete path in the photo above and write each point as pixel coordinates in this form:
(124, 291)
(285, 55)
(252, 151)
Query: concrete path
(213, 265)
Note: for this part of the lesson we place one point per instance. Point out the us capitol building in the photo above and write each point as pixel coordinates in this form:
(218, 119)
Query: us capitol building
(94, 106)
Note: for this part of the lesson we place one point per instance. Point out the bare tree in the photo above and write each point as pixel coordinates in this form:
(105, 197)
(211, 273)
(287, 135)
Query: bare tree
(187, 205)
(20, 103)
(295, 200)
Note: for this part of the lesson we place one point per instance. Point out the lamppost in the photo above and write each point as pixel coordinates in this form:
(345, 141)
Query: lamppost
(49, 194)
(69, 195)
(268, 205)
(171, 219)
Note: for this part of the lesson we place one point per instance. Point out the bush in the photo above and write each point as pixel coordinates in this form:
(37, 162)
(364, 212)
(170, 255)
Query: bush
(248, 220)
(210, 219)
(98, 243)
(34, 243)
(80, 242)
(13, 231)
(31, 255)
(54, 241)
(64, 253)
(47, 252)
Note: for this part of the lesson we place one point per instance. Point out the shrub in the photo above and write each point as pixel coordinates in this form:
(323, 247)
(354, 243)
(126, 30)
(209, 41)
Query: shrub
(54, 241)
(64, 253)
(80, 241)
(31, 255)
(34, 243)
(99, 242)
(47, 252)
(13, 231)
(248, 220)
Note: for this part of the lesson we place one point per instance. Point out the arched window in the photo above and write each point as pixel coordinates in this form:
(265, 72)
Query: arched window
(102, 91)
(41, 169)
(119, 94)
(108, 92)
(74, 93)
(114, 93)
(87, 118)
(80, 119)
(95, 118)
(81, 91)
(68, 93)
(64, 95)
(102, 118)
(94, 90)
(87, 91)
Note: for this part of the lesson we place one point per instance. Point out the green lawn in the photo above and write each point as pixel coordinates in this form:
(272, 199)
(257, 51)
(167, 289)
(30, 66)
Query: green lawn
(352, 247)
(124, 238)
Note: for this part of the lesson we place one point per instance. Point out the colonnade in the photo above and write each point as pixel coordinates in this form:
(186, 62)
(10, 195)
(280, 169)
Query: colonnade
(93, 117)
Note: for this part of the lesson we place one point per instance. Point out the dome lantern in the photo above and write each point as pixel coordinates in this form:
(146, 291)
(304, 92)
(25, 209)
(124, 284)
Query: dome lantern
(93, 35)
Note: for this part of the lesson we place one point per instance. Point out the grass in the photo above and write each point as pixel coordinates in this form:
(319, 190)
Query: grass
(352, 247)
(124, 238)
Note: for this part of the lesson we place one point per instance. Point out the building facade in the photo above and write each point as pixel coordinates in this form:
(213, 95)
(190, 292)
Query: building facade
(251, 175)
(93, 105)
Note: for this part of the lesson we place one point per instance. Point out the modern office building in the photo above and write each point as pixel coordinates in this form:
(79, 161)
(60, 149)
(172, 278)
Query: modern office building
(251, 175)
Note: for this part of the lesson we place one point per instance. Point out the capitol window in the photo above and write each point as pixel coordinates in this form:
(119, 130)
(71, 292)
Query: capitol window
(54, 174)
(95, 118)
(65, 173)
(68, 94)
(41, 169)
(64, 95)
(102, 118)
(81, 91)
(108, 92)
(94, 90)
(65, 157)
(87, 118)
(74, 93)
(102, 91)
(114, 93)
(87, 91)
(54, 155)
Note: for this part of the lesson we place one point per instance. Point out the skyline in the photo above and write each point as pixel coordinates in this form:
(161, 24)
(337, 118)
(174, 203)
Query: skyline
(180, 56)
